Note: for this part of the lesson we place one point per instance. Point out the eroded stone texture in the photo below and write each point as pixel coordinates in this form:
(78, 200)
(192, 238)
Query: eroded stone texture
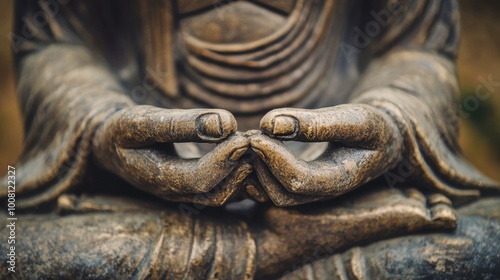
(204, 103)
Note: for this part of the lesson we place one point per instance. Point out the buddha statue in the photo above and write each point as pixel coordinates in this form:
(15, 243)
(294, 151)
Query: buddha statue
(259, 139)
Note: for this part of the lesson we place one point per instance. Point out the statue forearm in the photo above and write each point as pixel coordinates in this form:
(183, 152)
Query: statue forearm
(418, 88)
(428, 77)
(64, 93)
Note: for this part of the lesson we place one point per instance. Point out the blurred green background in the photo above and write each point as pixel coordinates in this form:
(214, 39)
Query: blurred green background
(479, 59)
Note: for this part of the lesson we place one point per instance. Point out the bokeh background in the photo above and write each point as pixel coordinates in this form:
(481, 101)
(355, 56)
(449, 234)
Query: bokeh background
(479, 60)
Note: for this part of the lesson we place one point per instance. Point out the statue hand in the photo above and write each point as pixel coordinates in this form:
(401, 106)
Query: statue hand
(137, 144)
(364, 142)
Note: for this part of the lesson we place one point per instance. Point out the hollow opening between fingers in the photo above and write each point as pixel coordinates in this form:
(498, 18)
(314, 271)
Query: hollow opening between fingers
(305, 151)
(191, 150)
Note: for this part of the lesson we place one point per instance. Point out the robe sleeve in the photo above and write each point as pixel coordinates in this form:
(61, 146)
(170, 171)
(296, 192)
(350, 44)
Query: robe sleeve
(412, 76)
(65, 89)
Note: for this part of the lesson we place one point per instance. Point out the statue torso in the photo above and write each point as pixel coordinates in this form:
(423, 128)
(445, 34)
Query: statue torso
(248, 57)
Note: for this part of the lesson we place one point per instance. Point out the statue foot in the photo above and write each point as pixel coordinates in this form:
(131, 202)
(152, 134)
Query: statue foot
(291, 233)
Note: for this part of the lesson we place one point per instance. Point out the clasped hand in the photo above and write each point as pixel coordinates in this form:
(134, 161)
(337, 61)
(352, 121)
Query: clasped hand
(136, 143)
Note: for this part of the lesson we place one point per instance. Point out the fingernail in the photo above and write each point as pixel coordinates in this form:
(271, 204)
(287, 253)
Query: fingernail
(209, 125)
(238, 153)
(284, 125)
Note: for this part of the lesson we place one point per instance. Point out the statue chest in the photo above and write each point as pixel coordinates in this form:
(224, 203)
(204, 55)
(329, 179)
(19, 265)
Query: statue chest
(244, 56)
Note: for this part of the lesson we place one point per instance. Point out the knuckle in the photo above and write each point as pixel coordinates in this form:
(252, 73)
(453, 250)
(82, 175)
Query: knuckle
(296, 185)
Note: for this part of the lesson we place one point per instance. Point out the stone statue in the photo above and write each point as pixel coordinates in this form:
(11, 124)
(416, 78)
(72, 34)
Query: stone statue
(207, 139)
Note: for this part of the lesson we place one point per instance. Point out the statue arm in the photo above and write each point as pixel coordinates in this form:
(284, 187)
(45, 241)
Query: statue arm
(65, 91)
(399, 117)
(417, 89)
(76, 109)
(414, 80)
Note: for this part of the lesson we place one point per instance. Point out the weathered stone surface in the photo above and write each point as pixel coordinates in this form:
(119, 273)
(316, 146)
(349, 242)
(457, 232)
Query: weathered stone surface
(185, 105)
